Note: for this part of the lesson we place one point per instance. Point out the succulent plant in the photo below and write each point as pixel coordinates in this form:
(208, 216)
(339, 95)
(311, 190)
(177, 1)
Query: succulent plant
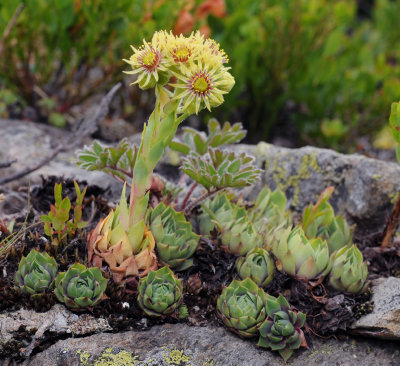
(319, 220)
(36, 273)
(241, 306)
(221, 169)
(301, 257)
(281, 330)
(217, 211)
(241, 236)
(160, 292)
(80, 287)
(349, 272)
(127, 249)
(269, 215)
(257, 265)
(175, 240)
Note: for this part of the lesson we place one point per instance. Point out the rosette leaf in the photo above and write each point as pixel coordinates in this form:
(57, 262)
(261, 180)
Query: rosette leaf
(301, 257)
(241, 306)
(160, 292)
(80, 287)
(319, 220)
(281, 330)
(349, 271)
(217, 211)
(221, 169)
(175, 240)
(241, 236)
(257, 265)
(36, 273)
(129, 250)
(269, 214)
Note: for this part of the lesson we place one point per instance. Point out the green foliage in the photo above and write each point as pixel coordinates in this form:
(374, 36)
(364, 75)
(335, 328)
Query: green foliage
(56, 44)
(160, 293)
(319, 220)
(257, 265)
(281, 331)
(349, 271)
(36, 273)
(311, 60)
(57, 224)
(117, 161)
(221, 169)
(241, 306)
(175, 240)
(80, 287)
(217, 136)
(394, 123)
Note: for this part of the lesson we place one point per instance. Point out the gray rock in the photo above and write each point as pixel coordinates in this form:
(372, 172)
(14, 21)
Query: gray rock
(23, 327)
(384, 321)
(31, 142)
(179, 344)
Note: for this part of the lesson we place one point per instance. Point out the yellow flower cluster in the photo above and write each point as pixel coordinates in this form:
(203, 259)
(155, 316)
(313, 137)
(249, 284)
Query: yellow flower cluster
(194, 67)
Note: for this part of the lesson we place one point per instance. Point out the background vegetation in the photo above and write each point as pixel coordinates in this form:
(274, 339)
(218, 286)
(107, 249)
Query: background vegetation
(313, 71)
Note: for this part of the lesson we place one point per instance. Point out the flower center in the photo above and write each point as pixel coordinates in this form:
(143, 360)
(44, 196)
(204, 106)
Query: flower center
(148, 60)
(200, 85)
(181, 54)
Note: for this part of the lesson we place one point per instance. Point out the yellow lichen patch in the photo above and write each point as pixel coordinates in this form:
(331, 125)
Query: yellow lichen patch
(83, 356)
(175, 357)
(120, 358)
(281, 175)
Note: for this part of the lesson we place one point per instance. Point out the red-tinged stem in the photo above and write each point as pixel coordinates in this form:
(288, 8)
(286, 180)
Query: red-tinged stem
(392, 224)
(188, 194)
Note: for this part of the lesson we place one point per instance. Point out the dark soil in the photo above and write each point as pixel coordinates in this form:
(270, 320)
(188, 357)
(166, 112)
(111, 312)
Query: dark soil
(328, 311)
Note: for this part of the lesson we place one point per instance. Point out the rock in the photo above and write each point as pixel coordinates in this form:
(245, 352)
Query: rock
(384, 321)
(23, 327)
(179, 344)
(365, 188)
(31, 142)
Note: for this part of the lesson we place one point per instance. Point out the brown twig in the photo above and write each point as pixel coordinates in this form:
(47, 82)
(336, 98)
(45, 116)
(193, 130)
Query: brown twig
(10, 25)
(188, 194)
(392, 224)
(194, 203)
(86, 128)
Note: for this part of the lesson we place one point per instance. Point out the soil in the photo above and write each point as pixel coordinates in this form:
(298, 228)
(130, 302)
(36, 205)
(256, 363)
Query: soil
(328, 311)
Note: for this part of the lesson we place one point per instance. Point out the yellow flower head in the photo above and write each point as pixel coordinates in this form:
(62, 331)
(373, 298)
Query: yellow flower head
(202, 87)
(149, 63)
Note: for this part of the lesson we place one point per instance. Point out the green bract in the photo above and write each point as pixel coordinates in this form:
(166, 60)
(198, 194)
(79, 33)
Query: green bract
(240, 236)
(241, 306)
(160, 292)
(319, 220)
(80, 287)
(281, 329)
(257, 265)
(218, 211)
(301, 257)
(175, 240)
(36, 273)
(349, 272)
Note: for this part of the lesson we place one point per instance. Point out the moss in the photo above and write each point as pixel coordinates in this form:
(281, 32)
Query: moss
(282, 178)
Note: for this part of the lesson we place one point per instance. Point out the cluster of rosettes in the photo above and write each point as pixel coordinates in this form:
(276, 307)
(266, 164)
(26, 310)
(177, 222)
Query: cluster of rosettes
(194, 66)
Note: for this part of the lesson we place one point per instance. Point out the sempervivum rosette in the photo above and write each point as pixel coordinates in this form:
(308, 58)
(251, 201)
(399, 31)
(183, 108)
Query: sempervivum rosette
(80, 287)
(160, 292)
(36, 273)
(241, 306)
(281, 330)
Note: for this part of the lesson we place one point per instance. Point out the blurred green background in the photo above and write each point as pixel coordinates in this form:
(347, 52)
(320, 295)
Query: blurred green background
(321, 72)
